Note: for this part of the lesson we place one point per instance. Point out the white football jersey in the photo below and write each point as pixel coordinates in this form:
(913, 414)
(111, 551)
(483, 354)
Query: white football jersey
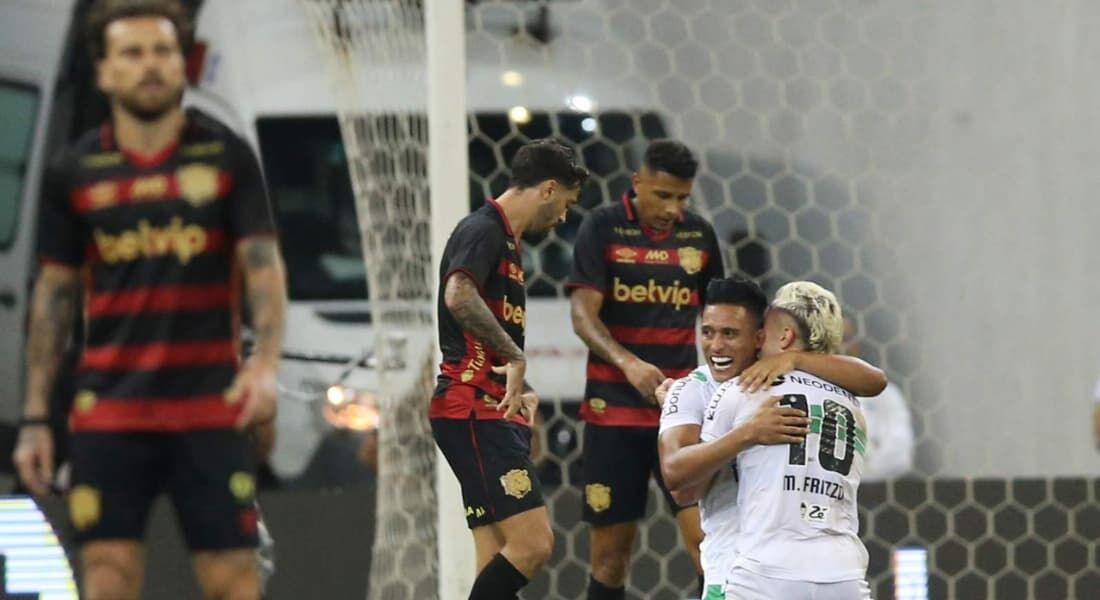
(797, 504)
(684, 405)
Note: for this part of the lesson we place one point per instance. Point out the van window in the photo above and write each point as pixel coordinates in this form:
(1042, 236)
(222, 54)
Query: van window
(18, 108)
(308, 178)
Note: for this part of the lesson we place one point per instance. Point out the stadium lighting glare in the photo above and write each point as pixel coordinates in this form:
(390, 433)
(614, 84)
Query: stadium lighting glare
(338, 395)
(588, 124)
(580, 103)
(511, 78)
(519, 114)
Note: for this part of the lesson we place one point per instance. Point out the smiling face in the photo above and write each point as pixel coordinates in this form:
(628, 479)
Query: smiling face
(731, 336)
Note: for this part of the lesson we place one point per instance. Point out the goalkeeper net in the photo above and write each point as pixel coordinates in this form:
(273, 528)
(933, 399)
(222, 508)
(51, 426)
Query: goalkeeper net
(376, 55)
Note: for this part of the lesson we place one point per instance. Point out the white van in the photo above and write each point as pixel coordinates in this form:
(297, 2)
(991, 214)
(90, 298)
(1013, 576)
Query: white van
(262, 72)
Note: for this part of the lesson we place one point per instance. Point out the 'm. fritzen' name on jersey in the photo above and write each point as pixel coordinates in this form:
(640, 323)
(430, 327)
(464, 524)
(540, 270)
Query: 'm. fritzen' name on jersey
(154, 237)
(652, 285)
(797, 503)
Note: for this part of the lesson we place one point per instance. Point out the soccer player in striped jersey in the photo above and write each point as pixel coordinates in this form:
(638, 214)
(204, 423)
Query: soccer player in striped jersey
(154, 217)
(481, 409)
(640, 267)
(797, 534)
(731, 336)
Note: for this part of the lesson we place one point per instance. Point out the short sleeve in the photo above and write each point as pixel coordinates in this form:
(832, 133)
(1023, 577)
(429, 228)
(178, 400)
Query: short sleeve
(715, 267)
(684, 404)
(475, 248)
(249, 207)
(62, 234)
(718, 418)
(589, 250)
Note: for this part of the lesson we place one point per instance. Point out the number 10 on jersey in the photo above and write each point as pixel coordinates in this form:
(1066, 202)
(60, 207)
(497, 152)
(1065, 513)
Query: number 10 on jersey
(836, 426)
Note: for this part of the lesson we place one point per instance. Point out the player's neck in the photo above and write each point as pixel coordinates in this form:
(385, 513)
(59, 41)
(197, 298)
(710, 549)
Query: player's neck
(517, 210)
(146, 137)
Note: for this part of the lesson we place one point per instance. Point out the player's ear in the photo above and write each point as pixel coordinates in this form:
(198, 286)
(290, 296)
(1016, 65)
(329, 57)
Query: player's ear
(759, 341)
(788, 338)
(546, 188)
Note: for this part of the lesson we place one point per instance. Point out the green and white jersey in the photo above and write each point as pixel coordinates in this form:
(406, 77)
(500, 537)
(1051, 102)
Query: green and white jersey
(797, 503)
(685, 404)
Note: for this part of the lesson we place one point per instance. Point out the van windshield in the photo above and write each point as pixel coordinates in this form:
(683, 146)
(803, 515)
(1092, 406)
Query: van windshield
(307, 176)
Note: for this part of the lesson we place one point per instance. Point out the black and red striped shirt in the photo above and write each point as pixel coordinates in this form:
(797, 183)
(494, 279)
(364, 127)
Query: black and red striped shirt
(652, 285)
(154, 238)
(483, 247)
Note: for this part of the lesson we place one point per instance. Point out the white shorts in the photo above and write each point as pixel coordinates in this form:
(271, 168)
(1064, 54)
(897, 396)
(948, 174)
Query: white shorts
(745, 585)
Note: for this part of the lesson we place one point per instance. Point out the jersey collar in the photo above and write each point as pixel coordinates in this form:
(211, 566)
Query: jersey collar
(504, 219)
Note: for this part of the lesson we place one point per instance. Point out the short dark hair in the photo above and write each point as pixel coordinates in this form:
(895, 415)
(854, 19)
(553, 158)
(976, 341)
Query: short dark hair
(545, 159)
(672, 157)
(738, 291)
(105, 12)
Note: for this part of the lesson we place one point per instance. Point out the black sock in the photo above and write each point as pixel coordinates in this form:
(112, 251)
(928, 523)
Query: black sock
(499, 580)
(599, 591)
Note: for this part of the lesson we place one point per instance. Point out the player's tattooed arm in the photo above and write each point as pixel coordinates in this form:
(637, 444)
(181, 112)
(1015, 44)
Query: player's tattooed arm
(584, 304)
(265, 284)
(52, 314)
(461, 297)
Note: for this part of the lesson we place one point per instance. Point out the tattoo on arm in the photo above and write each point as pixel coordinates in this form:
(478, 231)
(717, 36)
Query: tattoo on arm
(265, 283)
(464, 302)
(52, 314)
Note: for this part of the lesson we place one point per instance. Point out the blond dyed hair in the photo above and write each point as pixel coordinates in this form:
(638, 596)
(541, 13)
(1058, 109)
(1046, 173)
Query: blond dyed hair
(816, 312)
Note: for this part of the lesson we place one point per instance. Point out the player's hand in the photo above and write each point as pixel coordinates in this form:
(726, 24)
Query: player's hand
(256, 389)
(644, 377)
(775, 424)
(662, 390)
(766, 370)
(514, 372)
(33, 458)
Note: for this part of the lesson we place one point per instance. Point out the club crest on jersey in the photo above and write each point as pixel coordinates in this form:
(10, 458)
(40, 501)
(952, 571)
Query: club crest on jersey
(598, 405)
(84, 506)
(691, 259)
(598, 496)
(516, 483)
(198, 183)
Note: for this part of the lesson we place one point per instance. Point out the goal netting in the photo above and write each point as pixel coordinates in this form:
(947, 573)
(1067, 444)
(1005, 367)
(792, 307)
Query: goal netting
(878, 148)
(376, 57)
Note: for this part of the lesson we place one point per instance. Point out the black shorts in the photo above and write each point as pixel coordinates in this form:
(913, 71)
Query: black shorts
(491, 459)
(618, 462)
(209, 475)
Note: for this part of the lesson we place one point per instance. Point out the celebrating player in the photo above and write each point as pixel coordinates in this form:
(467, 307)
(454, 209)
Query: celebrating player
(481, 406)
(796, 503)
(732, 321)
(151, 216)
(639, 268)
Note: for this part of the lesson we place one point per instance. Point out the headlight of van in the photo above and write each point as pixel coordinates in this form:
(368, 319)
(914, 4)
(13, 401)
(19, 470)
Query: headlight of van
(350, 408)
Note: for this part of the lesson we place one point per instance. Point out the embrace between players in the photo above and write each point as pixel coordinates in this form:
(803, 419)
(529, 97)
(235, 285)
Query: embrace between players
(773, 456)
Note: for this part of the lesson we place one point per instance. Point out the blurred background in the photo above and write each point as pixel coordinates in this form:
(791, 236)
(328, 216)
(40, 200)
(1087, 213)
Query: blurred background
(933, 164)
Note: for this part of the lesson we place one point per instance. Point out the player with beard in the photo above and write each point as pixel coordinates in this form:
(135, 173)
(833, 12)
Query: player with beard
(731, 335)
(153, 218)
(481, 408)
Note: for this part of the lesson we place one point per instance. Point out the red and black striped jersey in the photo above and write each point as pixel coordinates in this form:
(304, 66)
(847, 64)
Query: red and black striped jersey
(652, 285)
(154, 238)
(483, 247)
